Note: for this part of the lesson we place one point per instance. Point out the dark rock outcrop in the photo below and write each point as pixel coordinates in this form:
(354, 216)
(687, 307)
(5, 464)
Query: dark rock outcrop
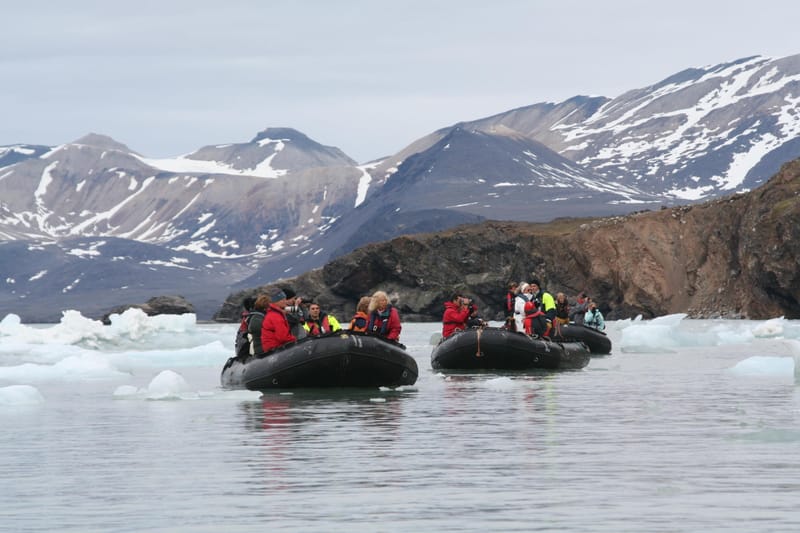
(732, 257)
(159, 305)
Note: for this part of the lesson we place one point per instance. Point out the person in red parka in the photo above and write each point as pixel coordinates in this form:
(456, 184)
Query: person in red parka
(536, 323)
(456, 313)
(275, 328)
(384, 320)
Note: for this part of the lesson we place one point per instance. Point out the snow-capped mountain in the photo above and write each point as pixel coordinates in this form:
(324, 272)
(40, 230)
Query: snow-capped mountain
(465, 177)
(273, 153)
(245, 214)
(698, 134)
(94, 274)
(98, 187)
(212, 220)
(10, 155)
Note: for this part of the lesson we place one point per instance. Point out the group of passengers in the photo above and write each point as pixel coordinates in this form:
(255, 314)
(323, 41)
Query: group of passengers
(278, 317)
(531, 309)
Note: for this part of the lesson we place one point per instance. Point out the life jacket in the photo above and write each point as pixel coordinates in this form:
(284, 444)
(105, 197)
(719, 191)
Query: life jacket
(359, 321)
(510, 302)
(379, 324)
(320, 326)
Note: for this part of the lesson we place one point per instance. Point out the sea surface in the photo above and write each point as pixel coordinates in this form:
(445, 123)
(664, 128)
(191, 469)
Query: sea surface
(687, 425)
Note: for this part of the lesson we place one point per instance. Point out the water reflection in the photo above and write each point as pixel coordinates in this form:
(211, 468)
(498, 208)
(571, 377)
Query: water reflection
(276, 411)
(297, 441)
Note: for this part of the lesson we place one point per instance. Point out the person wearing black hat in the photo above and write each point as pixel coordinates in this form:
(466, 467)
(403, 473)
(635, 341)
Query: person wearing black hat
(544, 301)
(255, 323)
(294, 313)
(275, 329)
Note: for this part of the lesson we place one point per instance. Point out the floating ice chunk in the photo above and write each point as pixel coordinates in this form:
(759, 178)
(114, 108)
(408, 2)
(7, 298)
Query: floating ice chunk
(797, 369)
(794, 346)
(20, 395)
(252, 395)
(126, 391)
(771, 328)
(85, 365)
(167, 385)
(10, 325)
(761, 365)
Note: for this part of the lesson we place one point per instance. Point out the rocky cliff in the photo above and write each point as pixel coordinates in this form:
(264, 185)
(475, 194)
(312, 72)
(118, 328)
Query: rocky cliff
(732, 257)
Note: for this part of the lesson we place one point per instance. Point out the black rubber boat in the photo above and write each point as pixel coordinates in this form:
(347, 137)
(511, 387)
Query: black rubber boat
(597, 341)
(497, 348)
(341, 359)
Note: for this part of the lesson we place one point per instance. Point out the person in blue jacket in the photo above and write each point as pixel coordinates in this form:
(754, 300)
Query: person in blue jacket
(594, 318)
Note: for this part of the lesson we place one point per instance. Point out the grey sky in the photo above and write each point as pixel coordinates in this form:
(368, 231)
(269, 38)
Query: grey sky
(167, 77)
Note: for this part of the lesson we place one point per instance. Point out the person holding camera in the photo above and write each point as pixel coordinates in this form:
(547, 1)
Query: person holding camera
(295, 315)
(594, 318)
(578, 311)
(456, 314)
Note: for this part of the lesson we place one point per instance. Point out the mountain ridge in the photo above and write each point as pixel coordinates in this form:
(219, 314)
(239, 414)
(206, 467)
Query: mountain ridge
(281, 203)
(731, 257)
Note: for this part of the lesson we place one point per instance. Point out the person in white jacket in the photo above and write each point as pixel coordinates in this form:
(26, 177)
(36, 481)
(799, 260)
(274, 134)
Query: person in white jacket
(524, 296)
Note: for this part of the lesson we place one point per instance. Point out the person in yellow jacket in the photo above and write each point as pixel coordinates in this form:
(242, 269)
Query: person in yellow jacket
(319, 323)
(545, 303)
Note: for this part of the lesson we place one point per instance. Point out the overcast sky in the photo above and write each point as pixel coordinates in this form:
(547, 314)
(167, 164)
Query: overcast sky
(168, 77)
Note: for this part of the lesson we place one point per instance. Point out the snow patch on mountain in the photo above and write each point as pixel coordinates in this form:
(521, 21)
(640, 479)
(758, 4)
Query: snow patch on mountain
(38, 275)
(6, 150)
(170, 264)
(364, 182)
(186, 165)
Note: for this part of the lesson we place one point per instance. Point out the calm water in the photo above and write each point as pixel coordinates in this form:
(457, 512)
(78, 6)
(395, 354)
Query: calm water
(638, 441)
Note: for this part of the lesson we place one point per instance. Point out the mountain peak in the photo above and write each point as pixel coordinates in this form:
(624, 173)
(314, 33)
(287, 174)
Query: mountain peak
(101, 141)
(279, 133)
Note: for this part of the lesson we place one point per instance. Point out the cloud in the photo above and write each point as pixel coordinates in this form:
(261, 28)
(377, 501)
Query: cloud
(369, 77)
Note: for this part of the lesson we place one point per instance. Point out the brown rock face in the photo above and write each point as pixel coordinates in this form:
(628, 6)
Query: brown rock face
(734, 257)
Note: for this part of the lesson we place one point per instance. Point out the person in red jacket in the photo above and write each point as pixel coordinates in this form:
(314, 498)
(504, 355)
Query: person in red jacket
(275, 330)
(536, 322)
(384, 320)
(456, 313)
